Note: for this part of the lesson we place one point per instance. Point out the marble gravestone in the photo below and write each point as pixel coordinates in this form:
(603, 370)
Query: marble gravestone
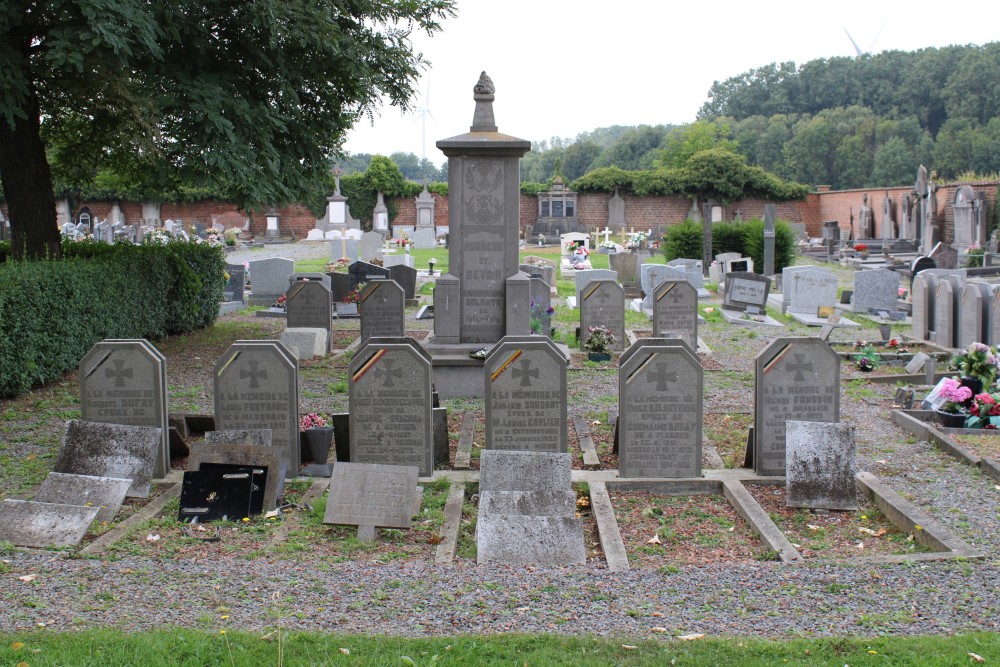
(405, 277)
(269, 279)
(675, 311)
(810, 290)
(526, 395)
(820, 466)
(602, 303)
(363, 272)
(110, 450)
(651, 275)
(371, 246)
(236, 283)
(424, 239)
(125, 382)
(660, 410)
(625, 265)
(944, 313)
(875, 290)
(796, 378)
(381, 306)
(309, 304)
(372, 495)
(391, 404)
(922, 297)
(744, 290)
(256, 386)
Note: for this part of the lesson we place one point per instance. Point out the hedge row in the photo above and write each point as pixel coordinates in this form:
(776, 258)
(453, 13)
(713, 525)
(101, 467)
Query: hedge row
(747, 238)
(52, 312)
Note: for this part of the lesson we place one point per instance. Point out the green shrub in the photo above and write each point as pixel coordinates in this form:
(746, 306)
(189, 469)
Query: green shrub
(52, 312)
(753, 244)
(727, 237)
(683, 241)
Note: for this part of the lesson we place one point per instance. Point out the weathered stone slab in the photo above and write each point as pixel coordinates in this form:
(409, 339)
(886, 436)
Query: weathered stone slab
(524, 471)
(821, 466)
(306, 343)
(603, 304)
(876, 289)
(974, 325)
(922, 296)
(269, 279)
(525, 395)
(255, 437)
(382, 309)
(371, 246)
(104, 493)
(514, 539)
(244, 455)
(624, 264)
(309, 305)
(40, 525)
(365, 494)
(405, 277)
(675, 311)
(809, 290)
(110, 450)
(583, 277)
(531, 503)
(363, 272)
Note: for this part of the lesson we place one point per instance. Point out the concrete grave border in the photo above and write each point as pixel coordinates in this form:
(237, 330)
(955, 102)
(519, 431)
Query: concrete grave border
(910, 420)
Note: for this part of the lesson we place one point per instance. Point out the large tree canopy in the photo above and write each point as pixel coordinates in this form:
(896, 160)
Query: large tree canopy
(252, 97)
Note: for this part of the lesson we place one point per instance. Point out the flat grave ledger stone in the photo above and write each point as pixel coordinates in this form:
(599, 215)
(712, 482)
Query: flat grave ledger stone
(675, 311)
(265, 462)
(743, 290)
(125, 382)
(269, 279)
(660, 411)
(309, 304)
(40, 525)
(256, 387)
(526, 395)
(405, 277)
(110, 450)
(391, 406)
(371, 246)
(602, 303)
(583, 277)
(366, 494)
(236, 282)
(382, 308)
(974, 325)
(363, 272)
(820, 466)
(875, 289)
(216, 495)
(105, 493)
(809, 290)
(796, 378)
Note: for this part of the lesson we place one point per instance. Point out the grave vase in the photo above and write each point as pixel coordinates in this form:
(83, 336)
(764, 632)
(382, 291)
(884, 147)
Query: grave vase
(951, 419)
(976, 385)
(598, 356)
(319, 440)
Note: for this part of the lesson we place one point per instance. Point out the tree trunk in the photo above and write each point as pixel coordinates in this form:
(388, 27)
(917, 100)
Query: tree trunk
(27, 187)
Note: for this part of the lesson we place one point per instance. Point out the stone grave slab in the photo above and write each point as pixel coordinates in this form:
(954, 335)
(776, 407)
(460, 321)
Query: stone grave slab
(660, 410)
(922, 295)
(309, 305)
(366, 494)
(405, 277)
(382, 308)
(511, 539)
(875, 289)
(424, 239)
(216, 495)
(256, 387)
(626, 267)
(810, 290)
(309, 276)
(524, 470)
(269, 279)
(654, 274)
(675, 311)
(821, 465)
(363, 272)
(693, 272)
(104, 493)
(541, 301)
(110, 450)
(603, 304)
(974, 326)
(391, 406)
(371, 246)
(583, 277)
(242, 455)
(396, 259)
(306, 343)
(236, 283)
(530, 503)
(125, 382)
(526, 395)
(944, 314)
(254, 437)
(41, 525)
(796, 378)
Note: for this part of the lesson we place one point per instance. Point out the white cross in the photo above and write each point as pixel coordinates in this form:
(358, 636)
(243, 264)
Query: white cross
(607, 234)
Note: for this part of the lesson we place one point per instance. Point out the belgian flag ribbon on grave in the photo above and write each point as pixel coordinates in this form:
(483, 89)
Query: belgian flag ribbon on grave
(639, 369)
(498, 372)
(368, 365)
(778, 357)
(665, 292)
(364, 297)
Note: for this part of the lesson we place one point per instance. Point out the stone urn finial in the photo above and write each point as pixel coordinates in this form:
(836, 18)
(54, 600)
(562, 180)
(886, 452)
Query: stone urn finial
(482, 120)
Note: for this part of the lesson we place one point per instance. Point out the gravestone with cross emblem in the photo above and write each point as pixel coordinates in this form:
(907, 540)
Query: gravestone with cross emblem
(382, 305)
(602, 303)
(391, 404)
(125, 382)
(256, 386)
(675, 311)
(526, 395)
(796, 378)
(660, 410)
(309, 304)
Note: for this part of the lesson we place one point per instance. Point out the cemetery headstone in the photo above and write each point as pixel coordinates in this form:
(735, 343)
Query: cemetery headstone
(602, 303)
(875, 289)
(693, 271)
(922, 296)
(111, 450)
(583, 277)
(525, 394)
(974, 327)
(625, 265)
(382, 309)
(423, 239)
(652, 275)
(820, 466)
(309, 304)
(796, 378)
(541, 301)
(405, 277)
(236, 282)
(743, 290)
(811, 289)
(371, 246)
(104, 493)
(770, 214)
(944, 313)
(269, 278)
(675, 310)
(241, 454)
(216, 495)
(363, 272)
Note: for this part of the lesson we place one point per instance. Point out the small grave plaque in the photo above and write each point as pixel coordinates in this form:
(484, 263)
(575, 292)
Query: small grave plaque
(821, 466)
(242, 454)
(382, 310)
(110, 450)
(216, 495)
(366, 494)
(104, 493)
(603, 304)
(675, 311)
(744, 289)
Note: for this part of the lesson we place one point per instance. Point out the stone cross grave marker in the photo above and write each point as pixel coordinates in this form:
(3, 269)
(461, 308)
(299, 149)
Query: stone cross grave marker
(309, 304)
(372, 496)
(382, 308)
(796, 378)
(110, 450)
(256, 386)
(391, 406)
(821, 465)
(602, 303)
(526, 395)
(675, 310)
(125, 382)
(660, 411)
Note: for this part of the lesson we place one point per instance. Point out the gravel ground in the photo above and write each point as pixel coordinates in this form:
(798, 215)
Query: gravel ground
(400, 597)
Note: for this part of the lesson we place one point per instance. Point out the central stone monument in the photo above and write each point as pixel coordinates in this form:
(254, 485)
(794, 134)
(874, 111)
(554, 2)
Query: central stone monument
(470, 302)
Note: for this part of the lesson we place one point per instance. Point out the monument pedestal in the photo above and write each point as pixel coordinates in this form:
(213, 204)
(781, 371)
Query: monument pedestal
(455, 373)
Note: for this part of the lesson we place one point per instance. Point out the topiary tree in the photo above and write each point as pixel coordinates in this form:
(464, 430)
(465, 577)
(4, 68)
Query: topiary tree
(683, 241)
(727, 237)
(784, 244)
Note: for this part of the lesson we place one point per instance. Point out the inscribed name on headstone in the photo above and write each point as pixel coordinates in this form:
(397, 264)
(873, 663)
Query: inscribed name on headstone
(269, 279)
(366, 494)
(660, 411)
(256, 387)
(125, 382)
(309, 304)
(526, 395)
(743, 289)
(382, 309)
(104, 493)
(390, 402)
(602, 303)
(675, 310)
(821, 466)
(110, 450)
(796, 378)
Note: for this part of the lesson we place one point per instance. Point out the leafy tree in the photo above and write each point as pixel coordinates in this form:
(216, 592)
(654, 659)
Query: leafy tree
(683, 142)
(635, 149)
(255, 101)
(894, 162)
(577, 158)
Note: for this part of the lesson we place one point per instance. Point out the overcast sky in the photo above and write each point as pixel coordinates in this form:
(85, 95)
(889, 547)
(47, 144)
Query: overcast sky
(562, 67)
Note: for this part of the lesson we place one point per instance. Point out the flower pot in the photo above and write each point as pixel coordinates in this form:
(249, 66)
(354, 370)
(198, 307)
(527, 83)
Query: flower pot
(319, 440)
(951, 419)
(598, 356)
(976, 385)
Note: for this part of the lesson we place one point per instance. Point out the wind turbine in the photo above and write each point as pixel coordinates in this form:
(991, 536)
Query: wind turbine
(422, 113)
(857, 49)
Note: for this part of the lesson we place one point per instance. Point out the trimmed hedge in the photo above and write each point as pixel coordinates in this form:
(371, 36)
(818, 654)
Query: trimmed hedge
(747, 238)
(52, 312)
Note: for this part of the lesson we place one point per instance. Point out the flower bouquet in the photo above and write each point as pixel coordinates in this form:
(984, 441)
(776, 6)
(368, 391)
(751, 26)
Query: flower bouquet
(598, 343)
(978, 361)
(312, 420)
(953, 395)
(985, 411)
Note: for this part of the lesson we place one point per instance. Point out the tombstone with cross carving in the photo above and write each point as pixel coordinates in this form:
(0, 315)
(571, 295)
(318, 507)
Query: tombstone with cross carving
(675, 311)
(257, 387)
(797, 378)
(309, 304)
(602, 303)
(382, 308)
(125, 382)
(660, 410)
(526, 395)
(391, 404)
